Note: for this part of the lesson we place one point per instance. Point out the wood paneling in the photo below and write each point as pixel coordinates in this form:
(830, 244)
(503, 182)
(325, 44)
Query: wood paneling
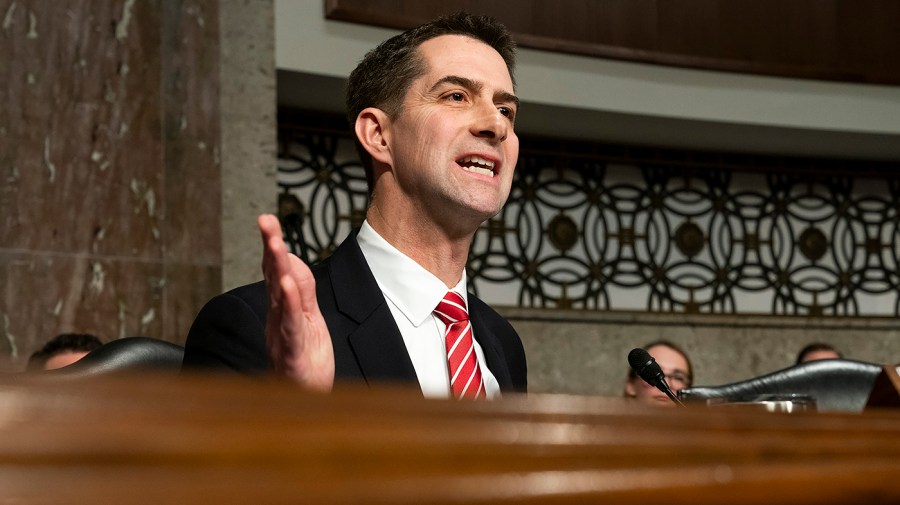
(241, 440)
(844, 40)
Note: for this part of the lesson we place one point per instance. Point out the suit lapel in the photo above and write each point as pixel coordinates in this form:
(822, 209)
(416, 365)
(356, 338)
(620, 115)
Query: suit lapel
(490, 345)
(376, 341)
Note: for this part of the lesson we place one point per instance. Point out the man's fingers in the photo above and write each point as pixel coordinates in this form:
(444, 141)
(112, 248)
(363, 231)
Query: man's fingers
(305, 284)
(269, 224)
(276, 261)
(292, 319)
(266, 233)
(297, 339)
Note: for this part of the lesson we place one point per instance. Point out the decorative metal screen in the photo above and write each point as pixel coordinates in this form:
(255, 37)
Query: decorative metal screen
(641, 229)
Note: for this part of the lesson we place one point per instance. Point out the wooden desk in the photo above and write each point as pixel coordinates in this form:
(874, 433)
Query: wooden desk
(236, 440)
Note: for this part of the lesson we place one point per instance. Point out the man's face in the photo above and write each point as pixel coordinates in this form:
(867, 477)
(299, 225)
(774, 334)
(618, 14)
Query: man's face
(673, 365)
(820, 354)
(63, 359)
(453, 148)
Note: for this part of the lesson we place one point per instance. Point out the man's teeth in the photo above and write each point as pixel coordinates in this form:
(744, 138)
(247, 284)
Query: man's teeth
(479, 170)
(477, 165)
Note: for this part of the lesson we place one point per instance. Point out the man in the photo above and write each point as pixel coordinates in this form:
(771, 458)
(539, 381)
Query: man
(817, 351)
(63, 350)
(677, 369)
(433, 110)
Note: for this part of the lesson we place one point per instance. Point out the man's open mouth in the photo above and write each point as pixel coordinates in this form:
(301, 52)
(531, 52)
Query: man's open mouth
(477, 165)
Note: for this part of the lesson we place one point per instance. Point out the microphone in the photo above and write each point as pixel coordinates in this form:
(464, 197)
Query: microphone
(648, 369)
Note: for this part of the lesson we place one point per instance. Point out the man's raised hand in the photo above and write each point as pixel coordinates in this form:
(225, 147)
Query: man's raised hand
(298, 344)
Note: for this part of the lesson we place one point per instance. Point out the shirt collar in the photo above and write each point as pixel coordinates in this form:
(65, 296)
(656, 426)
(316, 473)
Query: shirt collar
(410, 287)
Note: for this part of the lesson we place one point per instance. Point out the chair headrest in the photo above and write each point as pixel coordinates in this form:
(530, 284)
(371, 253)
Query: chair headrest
(127, 354)
(835, 385)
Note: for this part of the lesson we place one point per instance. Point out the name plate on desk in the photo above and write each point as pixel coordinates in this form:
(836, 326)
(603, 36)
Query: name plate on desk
(787, 404)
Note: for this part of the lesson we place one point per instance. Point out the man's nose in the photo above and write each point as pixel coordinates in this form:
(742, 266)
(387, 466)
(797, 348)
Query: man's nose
(490, 123)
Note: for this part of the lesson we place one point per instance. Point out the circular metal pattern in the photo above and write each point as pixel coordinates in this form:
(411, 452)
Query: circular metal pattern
(288, 205)
(813, 244)
(588, 232)
(562, 232)
(689, 239)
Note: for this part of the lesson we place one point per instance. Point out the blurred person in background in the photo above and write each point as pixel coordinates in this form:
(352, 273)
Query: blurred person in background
(676, 366)
(817, 350)
(63, 350)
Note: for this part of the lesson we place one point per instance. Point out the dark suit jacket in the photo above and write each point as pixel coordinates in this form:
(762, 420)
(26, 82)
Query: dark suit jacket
(229, 331)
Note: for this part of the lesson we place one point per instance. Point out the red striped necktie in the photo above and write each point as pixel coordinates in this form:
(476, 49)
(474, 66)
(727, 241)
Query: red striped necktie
(465, 375)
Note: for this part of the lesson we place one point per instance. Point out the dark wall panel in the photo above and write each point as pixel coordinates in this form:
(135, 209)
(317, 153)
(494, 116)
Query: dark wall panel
(844, 40)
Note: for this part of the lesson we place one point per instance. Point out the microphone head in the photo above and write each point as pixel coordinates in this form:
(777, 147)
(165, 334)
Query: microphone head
(639, 358)
(646, 367)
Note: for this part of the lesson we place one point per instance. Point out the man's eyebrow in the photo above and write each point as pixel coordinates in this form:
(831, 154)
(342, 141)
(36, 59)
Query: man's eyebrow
(503, 96)
(465, 82)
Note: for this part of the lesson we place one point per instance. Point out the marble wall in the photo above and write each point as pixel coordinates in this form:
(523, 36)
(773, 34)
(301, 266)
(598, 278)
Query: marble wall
(109, 169)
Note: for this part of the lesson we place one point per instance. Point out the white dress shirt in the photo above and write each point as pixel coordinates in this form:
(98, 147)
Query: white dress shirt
(412, 293)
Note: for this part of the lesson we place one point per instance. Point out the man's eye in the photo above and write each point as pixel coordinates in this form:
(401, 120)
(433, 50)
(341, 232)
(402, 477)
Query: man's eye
(457, 97)
(506, 111)
(677, 377)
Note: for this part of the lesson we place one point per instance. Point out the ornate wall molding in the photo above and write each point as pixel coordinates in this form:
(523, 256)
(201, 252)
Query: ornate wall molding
(590, 226)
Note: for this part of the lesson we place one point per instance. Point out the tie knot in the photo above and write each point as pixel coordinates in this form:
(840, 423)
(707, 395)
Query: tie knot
(451, 309)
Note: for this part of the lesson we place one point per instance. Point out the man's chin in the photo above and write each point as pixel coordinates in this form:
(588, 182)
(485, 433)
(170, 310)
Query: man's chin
(664, 401)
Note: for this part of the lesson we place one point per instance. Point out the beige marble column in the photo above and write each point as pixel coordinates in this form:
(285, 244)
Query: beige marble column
(249, 129)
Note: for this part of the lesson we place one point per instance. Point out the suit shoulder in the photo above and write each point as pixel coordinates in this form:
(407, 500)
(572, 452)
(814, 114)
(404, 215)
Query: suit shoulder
(229, 331)
(486, 312)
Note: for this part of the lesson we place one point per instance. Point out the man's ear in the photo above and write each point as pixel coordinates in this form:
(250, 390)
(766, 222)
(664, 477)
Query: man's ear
(629, 389)
(373, 129)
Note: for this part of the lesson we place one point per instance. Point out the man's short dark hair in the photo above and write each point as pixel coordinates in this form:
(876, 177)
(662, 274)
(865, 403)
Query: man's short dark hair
(66, 342)
(815, 347)
(385, 73)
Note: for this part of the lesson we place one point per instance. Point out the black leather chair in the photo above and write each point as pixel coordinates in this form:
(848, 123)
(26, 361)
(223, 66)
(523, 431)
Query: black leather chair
(835, 384)
(128, 354)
